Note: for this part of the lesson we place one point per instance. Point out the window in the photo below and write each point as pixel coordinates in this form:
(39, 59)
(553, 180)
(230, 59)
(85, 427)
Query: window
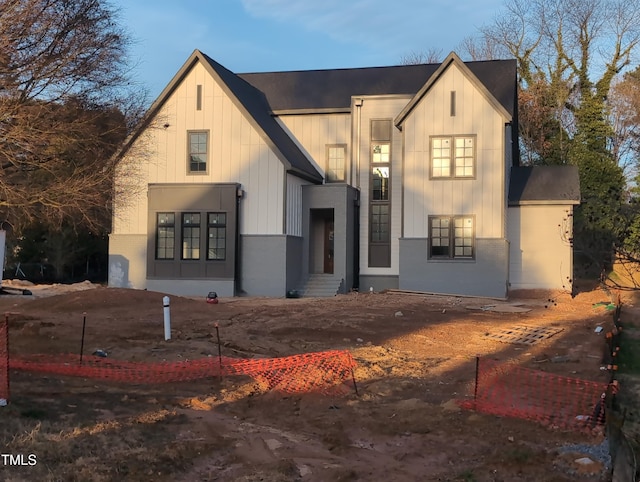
(336, 157)
(198, 151)
(216, 236)
(165, 235)
(379, 194)
(380, 223)
(452, 156)
(191, 236)
(451, 237)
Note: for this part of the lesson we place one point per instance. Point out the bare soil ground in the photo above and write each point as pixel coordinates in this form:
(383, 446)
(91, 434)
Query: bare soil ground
(415, 355)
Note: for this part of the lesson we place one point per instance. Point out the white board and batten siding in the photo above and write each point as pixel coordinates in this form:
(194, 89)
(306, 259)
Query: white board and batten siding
(376, 108)
(483, 196)
(294, 205)
(237, 153)
(314, 132)
(540, 253)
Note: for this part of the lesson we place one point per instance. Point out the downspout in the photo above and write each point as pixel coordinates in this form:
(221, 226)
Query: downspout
(357, 102)
(356, 255)
(237, 275)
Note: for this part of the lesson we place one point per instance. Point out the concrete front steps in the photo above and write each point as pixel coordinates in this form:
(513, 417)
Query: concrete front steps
(321, 285)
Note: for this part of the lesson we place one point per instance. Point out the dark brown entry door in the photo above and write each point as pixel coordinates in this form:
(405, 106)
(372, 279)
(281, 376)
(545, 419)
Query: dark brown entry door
(328, 246)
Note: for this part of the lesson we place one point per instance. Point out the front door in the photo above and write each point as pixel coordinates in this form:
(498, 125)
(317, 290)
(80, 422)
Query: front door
(328, 246)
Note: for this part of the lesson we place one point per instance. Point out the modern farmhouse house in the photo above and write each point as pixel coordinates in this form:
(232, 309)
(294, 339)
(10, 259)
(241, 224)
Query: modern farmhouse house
(326, 181)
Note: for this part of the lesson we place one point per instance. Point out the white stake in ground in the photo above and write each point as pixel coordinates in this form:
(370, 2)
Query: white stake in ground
(167, 318)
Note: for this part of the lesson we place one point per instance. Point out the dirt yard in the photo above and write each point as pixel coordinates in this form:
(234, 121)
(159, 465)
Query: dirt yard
(415, 358)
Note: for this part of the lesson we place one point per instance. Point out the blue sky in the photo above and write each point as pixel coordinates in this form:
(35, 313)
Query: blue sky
(274, 35)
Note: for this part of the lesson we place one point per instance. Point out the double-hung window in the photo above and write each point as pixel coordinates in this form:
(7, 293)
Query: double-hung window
(451, 237)
(453, 156)
(198, 145)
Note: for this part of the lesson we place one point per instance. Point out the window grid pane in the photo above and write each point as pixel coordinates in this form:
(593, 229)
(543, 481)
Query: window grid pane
(198, 151)
(380, 153)
(439, 237)
(380, 223)
(441, 157)
(464, 157)
(380, 184)
(191, 236)
(165, 236)
(335, 163)
(216, 236)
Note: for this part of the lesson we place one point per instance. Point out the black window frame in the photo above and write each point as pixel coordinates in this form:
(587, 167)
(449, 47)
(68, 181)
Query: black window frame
(452, 237)
(218, 226)
(161, 238)
(190, 227)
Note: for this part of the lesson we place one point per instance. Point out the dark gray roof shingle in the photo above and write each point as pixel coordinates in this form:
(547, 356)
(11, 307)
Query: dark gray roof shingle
(544, 184)
(332, 89)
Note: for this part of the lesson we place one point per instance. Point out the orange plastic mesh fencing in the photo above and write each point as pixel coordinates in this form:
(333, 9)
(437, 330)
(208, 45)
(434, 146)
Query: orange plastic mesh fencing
(323, 371)
(4, 362)
(509, 390)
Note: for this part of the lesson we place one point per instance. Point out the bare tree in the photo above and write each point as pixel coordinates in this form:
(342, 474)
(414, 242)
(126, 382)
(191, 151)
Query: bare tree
(431, 56)
(63, 71)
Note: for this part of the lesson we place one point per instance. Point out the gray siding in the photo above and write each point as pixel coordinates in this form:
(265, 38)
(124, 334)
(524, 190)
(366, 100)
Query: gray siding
(295, 247)
(378, 283)
(486, 275)
(199, 198)
(264, 265)
(342, 199)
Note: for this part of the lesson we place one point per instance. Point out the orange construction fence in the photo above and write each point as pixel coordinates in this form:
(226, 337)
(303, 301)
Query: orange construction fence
(506, 389)
(323, 371)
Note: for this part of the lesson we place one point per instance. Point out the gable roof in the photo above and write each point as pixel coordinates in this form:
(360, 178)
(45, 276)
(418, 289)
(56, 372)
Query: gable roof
(251, 103)
(260, 95)
(333, 89)
(453, 59)
(544, 185)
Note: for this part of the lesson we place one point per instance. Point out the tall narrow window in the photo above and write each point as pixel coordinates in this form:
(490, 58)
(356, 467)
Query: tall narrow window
(336, 158)
(198, 97)
(165, 235)
(216, 236)
(198, 150)
(453, 156)
(451, 237)
(380, 194)
(191, 236)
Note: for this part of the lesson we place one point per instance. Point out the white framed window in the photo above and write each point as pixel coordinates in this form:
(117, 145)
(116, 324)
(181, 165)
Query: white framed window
(452, 237)
(453, 156)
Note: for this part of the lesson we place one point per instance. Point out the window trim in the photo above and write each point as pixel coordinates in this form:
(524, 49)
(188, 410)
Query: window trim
(206, 162)
(452, 158)
(452, 256)
(216, 226)
(328, 165)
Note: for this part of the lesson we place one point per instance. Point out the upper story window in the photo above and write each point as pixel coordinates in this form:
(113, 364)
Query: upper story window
(453, 156)
(198, 151)
(336, 159)
(451, 237)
